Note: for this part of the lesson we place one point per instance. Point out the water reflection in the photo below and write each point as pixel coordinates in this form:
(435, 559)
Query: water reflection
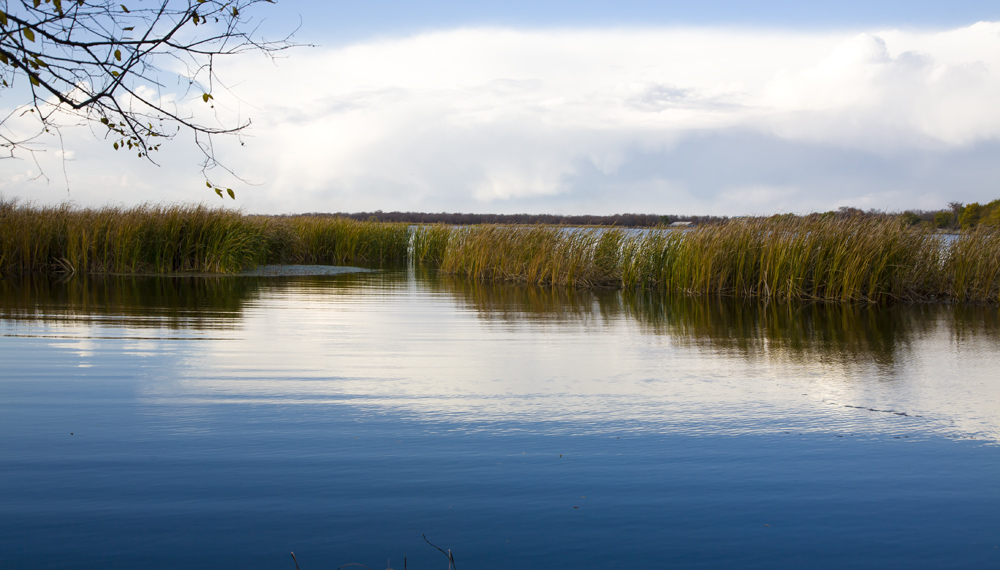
(342, 417)
(800, 331)
(128, 301)
(401, 341)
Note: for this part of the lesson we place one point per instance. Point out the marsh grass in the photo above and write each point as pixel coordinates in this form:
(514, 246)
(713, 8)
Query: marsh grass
(331, 240)
(429, 242)
(854, 260)
(171, 239)
(971, 267)
(145, 239)
(541, 255)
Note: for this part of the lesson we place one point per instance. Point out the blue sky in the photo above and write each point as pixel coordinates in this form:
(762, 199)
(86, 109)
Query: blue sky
(333, 23)
(587, 107)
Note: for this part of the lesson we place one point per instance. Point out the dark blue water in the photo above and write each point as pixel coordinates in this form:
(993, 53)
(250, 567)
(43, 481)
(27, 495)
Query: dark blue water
(207, 423)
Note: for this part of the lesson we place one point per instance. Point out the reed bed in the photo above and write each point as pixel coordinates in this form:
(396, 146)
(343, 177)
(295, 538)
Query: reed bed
(853, 260)
(971, 267)
(333, 240)
(850, 260)
(145, 239)
(429, 242)
(540, 255)
(171, 239)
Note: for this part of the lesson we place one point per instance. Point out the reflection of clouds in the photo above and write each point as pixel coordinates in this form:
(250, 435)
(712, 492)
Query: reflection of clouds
(434, 349)
(83, 348)
(416, 353)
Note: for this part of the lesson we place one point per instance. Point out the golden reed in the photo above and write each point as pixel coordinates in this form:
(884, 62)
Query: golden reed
(859, 260)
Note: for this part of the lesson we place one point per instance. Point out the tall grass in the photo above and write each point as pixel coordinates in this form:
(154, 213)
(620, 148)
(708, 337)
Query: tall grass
(168, 239)
(146, 239)
(429, 242)
(535, 254)
(856, 260)
(971, 267)
(324, 239)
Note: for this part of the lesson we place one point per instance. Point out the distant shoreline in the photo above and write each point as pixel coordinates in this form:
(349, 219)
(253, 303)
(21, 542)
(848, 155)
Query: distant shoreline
(945, 220)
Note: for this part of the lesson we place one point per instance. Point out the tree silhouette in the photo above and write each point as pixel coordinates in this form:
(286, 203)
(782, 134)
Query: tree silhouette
(122, 67)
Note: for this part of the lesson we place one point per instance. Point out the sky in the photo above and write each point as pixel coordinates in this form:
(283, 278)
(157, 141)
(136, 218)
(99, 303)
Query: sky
(721, 108)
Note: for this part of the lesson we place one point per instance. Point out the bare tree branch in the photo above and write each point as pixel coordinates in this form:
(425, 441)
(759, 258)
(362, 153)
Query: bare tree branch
(92, 61)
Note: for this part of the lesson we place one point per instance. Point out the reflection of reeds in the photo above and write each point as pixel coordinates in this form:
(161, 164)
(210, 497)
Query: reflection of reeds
(132, 301)
(835, 332)
(866, 260)
(807, 330)
(843, 332)
(504, 301)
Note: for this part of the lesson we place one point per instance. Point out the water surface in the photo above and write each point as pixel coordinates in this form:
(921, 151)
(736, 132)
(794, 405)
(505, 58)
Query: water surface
(214, 422)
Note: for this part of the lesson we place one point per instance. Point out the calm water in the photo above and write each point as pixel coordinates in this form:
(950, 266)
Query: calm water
(223, 422)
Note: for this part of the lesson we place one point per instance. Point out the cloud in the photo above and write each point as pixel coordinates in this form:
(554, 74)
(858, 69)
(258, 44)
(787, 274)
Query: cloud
(604, 120)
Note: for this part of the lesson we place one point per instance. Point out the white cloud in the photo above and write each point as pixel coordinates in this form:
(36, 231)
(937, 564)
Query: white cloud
(603, 120)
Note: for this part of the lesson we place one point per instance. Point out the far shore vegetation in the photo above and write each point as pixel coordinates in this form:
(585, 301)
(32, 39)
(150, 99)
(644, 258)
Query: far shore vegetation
(955, 217)
(842, 256)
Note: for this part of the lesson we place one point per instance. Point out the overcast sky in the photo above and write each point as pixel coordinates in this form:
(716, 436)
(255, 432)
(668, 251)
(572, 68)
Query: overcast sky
(585, 107)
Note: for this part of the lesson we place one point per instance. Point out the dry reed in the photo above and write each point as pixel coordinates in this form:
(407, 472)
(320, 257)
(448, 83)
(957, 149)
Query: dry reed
(858, 260)
(168, 239)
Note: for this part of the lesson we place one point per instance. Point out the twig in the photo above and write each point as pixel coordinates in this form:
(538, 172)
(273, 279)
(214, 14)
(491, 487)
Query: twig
(449, 555)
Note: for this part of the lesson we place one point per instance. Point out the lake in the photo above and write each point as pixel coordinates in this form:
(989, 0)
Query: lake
(207, 422)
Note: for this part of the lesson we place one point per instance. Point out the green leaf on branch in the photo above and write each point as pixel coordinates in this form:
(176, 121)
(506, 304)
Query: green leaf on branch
(218, 191)
(231, 193)
(3, 19)
(28, 34)
(34, 80)
(124, 9)
(205, 97)
(118, 54)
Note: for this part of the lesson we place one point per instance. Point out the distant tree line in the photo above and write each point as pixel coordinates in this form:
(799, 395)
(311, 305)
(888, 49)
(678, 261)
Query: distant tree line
(955, 217)
(458, 219)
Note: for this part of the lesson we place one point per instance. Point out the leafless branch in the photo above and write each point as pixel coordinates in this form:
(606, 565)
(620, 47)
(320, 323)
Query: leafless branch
(91, 61)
